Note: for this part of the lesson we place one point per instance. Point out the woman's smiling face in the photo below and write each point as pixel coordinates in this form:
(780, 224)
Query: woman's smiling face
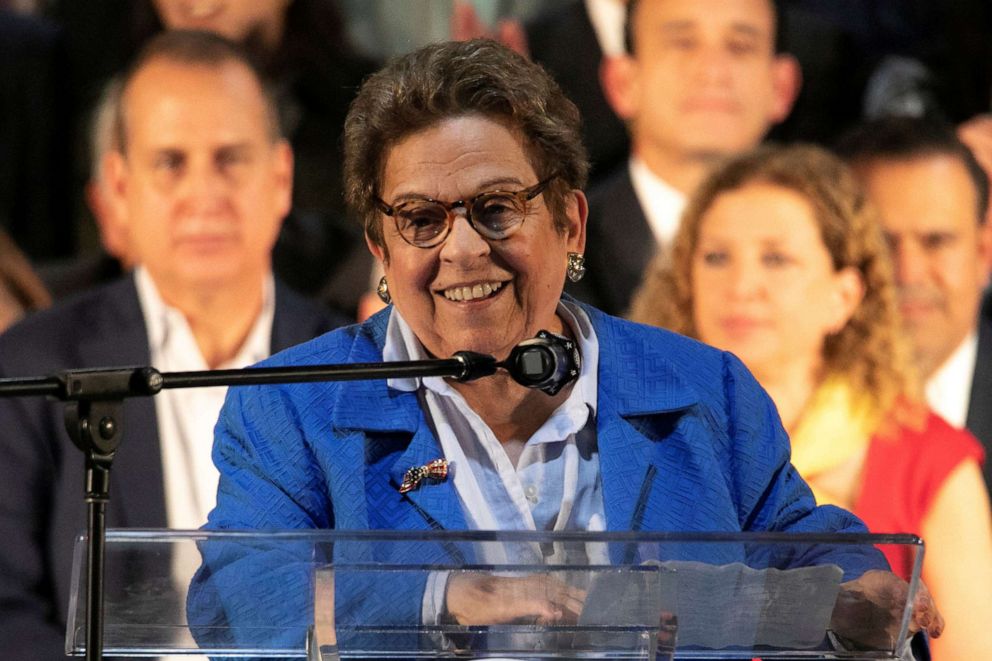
(764, 285)
(469, 293)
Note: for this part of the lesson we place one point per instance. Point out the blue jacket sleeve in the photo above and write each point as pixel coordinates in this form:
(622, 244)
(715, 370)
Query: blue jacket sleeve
(259, 591)
(774, 498)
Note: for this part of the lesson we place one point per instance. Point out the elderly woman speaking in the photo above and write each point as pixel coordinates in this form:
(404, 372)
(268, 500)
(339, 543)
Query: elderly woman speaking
(465, 164)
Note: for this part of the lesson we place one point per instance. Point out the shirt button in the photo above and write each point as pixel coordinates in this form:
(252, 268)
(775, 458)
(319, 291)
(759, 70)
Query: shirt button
(531, 493)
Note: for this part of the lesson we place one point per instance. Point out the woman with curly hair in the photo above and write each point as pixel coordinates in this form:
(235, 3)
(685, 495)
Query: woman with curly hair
(779, 259)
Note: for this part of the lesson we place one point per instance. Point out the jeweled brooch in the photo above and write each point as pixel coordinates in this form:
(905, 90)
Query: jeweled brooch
(436, 471)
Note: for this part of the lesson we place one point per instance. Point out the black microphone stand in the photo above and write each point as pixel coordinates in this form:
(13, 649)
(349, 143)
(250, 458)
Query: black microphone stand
(94, 419)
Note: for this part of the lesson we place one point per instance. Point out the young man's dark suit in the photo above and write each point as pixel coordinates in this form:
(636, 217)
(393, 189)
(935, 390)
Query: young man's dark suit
(564, 42)
(41, 473)
(619, 245)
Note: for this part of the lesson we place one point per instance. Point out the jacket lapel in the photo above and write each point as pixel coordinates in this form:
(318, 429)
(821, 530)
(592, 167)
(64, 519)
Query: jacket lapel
(395, 436)
(633, 405)
(623, 239)
(624, 457)
(436, 501)
(979, 411)
(116, 336)
(979, 419)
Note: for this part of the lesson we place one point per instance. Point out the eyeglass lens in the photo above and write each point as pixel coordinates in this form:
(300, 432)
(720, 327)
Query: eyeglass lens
(494, 215)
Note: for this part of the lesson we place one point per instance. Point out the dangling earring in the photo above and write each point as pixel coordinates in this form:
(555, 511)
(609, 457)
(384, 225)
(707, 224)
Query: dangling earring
(576, 266)
(383, 291)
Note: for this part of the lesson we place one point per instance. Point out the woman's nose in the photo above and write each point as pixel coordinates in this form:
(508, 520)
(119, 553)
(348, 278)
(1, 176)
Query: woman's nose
(745, 281)
(463, 242)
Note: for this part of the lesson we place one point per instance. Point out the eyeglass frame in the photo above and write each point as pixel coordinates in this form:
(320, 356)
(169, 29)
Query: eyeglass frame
(525, 195)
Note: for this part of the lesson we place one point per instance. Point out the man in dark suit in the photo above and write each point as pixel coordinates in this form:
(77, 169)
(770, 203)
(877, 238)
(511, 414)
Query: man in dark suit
(932, 196)
(202, 180)
(565, 42)
(701, 80)
(570, 40)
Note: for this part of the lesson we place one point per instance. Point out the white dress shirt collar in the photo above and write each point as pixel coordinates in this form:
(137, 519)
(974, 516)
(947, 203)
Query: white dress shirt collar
(163, 322)
(607, 18)
(948, 391)
(186, 417)
(662, 203)
(402, 344)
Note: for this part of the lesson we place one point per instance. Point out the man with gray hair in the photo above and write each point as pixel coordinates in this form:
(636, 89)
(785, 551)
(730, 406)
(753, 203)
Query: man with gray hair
(200, 179)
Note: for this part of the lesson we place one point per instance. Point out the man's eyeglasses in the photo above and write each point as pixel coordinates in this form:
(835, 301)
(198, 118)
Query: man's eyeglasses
(495, 215)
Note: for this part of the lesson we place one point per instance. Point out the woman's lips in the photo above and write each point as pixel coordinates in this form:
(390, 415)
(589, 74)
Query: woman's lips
(739, 325)
(473, 292)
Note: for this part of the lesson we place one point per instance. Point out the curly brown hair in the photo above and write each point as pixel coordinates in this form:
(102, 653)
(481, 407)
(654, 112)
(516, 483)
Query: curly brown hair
(869, 350)
(451, 79)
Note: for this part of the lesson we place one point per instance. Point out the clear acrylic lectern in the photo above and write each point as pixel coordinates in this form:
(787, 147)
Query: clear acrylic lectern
(327, 595)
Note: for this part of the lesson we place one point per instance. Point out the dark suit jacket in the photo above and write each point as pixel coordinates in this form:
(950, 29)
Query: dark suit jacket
(619, 245)
(41, 485)
(979, 420)
(564, 42)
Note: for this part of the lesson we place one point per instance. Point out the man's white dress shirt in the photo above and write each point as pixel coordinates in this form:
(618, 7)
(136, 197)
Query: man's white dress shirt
(662, 203)
(608, 18)
(186, 416)
(948, 391)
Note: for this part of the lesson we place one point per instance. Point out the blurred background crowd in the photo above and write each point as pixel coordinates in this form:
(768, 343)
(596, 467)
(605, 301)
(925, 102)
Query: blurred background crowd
(855, 59)
(803, 183)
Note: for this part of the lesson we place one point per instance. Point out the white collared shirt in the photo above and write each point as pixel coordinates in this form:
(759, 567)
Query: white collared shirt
(662, 203)
(607, 18)
(948, 391)
(555, 484)
(186, 416)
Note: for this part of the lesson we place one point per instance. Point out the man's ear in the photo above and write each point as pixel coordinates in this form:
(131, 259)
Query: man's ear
(787, 79)
(618, 76)
(985, 250)
(114, 170)
(283, 176)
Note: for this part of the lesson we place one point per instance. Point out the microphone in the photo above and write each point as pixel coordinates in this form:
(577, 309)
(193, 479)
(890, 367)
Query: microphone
(547, 362)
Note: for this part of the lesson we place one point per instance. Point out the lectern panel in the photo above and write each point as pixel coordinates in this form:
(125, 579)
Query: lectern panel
(500, 595)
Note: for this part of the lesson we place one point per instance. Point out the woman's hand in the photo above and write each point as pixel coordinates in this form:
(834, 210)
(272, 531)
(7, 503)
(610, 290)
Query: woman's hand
(484, 599)
(869, 610)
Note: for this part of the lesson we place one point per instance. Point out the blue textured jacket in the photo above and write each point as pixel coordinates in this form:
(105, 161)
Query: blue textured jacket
(683, 430)
(688, 442)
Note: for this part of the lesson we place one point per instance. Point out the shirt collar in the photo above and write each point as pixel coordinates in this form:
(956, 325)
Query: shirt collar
(661, 202)
(650, 385)
(164, 321)
(948, 390)
(607, 18)
(402, 344)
